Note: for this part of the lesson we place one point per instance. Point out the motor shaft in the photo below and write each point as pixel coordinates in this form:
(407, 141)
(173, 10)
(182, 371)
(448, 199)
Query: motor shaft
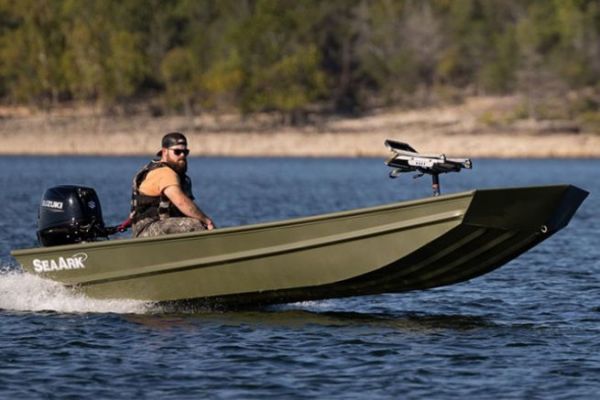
(435, 184)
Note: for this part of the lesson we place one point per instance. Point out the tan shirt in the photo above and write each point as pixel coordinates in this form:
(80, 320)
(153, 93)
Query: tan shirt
(158, 180)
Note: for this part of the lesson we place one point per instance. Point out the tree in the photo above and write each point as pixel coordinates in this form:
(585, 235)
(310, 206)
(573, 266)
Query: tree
(280, 67)
(31, 47)
(104, 59)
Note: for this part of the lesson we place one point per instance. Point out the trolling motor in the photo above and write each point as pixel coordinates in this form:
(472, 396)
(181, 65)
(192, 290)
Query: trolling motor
(407, 159)
(72, 214)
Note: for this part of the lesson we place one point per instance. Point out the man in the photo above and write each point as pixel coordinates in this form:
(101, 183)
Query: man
(162, 201)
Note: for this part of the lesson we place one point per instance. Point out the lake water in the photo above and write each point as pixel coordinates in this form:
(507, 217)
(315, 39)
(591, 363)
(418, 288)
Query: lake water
(529, 330)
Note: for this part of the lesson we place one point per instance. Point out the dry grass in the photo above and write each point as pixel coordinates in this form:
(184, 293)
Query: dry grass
(481, 127)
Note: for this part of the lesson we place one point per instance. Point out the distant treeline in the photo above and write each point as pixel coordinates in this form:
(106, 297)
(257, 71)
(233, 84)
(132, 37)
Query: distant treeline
(294, 56)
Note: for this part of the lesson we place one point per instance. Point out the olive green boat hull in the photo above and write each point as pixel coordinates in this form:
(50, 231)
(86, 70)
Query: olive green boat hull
(386, 249)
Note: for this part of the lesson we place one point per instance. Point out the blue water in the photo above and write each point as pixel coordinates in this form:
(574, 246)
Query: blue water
(530, 330)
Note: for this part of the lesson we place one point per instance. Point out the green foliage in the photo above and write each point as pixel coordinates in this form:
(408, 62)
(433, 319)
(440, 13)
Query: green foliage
(280, 68)
(31, 49)
(291, 56)
(104, 57)
(178, 70)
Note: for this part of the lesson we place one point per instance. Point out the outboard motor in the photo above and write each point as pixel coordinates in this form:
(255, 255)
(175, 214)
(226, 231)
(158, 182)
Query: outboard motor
(70, 214)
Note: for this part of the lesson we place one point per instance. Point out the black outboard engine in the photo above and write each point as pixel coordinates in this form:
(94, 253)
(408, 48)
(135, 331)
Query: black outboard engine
(70, 214)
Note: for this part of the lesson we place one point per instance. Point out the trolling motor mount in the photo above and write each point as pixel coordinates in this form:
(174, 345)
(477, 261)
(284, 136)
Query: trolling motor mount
(407, 159)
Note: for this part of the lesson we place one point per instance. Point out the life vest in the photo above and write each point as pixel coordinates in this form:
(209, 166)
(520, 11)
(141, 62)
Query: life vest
(155, 207)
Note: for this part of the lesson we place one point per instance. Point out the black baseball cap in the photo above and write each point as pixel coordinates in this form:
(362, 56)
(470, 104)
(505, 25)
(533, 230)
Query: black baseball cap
(172, 139)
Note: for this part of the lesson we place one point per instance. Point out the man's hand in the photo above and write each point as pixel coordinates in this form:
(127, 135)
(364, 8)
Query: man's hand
(209, 224)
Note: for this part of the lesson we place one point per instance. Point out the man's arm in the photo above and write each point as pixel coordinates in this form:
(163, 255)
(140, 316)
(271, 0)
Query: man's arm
(186, 205)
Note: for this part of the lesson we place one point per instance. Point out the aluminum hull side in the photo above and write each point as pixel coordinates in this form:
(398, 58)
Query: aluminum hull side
(480, 244)
(392, 248)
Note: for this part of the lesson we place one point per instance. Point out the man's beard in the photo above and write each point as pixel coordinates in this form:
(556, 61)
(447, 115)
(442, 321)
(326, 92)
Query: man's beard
(180, 166)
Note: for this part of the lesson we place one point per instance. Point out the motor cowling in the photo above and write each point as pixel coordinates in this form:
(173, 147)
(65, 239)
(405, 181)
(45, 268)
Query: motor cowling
(70, 214)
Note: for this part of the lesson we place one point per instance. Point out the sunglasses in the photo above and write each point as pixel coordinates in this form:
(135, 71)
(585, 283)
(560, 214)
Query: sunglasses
(179, 152)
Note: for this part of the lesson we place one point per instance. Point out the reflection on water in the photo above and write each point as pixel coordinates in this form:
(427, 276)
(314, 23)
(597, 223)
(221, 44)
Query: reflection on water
(291, 319)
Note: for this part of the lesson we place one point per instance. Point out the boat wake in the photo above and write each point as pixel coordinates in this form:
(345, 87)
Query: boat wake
(25, 292)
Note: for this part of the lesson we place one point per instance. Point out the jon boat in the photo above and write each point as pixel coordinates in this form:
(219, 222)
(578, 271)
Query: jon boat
(412, 245)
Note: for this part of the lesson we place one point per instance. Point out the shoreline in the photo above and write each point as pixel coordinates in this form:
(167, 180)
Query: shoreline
(309, 145)
(456, 131)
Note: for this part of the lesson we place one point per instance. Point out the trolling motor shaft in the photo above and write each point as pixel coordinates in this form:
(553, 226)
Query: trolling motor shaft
(407, 159)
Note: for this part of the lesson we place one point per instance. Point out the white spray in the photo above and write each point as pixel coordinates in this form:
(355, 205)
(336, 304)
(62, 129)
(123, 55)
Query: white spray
(27, 292)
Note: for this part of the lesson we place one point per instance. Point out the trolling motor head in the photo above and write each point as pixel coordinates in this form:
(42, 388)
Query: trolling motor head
(407, 159)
